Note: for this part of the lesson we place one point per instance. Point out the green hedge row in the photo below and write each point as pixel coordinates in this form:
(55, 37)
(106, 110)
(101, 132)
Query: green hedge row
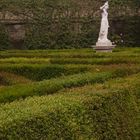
(90, 116)
(45, 53)
(43, 71)
(60, 60)
(51, 86)
(12, 79)
(22, 60)
(74, 53)
(101, 61)
(70, 53)
(40, 72)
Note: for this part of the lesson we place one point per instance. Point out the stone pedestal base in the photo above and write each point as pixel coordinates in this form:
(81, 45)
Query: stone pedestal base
(106, 46)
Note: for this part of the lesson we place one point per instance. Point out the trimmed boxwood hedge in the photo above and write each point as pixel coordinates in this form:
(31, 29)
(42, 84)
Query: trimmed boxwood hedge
(93, 104)
(40, 72)
(97, 61)
(49, 53)
(12, 79)
(109, 116)
(53, 85)
(70, 53)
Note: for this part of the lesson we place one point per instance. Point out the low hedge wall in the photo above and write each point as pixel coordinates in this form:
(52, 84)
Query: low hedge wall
(22, 60)
(51, 86)
(48, 53)
(102, 61)
(12, 79)
(40, 72)
(76, 53)
(109, 116)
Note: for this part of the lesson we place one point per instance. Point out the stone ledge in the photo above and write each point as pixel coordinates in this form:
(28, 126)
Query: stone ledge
(104, 48)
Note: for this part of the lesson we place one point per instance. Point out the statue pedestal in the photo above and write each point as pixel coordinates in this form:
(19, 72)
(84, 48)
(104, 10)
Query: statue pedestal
(106, 46)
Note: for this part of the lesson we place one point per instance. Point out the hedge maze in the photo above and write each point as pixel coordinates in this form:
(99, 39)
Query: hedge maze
(72, 94)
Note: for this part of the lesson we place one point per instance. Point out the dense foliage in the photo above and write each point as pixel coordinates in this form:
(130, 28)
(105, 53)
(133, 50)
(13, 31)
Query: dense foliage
(86, 96)
(70, 23)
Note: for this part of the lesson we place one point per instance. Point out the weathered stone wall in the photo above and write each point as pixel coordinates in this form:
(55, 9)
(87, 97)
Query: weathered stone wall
(16, 34)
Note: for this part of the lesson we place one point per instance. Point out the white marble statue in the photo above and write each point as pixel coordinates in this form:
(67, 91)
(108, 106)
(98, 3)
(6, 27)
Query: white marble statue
(103, 35)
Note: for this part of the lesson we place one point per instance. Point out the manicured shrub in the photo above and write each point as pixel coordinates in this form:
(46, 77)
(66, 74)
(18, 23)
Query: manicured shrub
(91, 115)
(101, 61)
(21, 60)
(70, 53)
(51, 86)
(79, 101)
(43, 71)
(12, 79)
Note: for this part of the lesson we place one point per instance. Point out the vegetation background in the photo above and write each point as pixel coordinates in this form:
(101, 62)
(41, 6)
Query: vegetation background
(71, 23)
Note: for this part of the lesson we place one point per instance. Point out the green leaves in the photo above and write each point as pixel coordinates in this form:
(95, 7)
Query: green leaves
(94, 102)
(75, 115)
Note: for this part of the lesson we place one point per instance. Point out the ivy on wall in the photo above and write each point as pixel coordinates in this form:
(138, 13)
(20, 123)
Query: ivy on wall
(124, 32)
(70, 23)
(4, 38)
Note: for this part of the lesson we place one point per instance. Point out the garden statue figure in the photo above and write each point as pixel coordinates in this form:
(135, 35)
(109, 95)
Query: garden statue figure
(103, 42)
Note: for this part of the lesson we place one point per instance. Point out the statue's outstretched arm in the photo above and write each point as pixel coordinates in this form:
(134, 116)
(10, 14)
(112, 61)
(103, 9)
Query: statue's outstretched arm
(104, 6)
